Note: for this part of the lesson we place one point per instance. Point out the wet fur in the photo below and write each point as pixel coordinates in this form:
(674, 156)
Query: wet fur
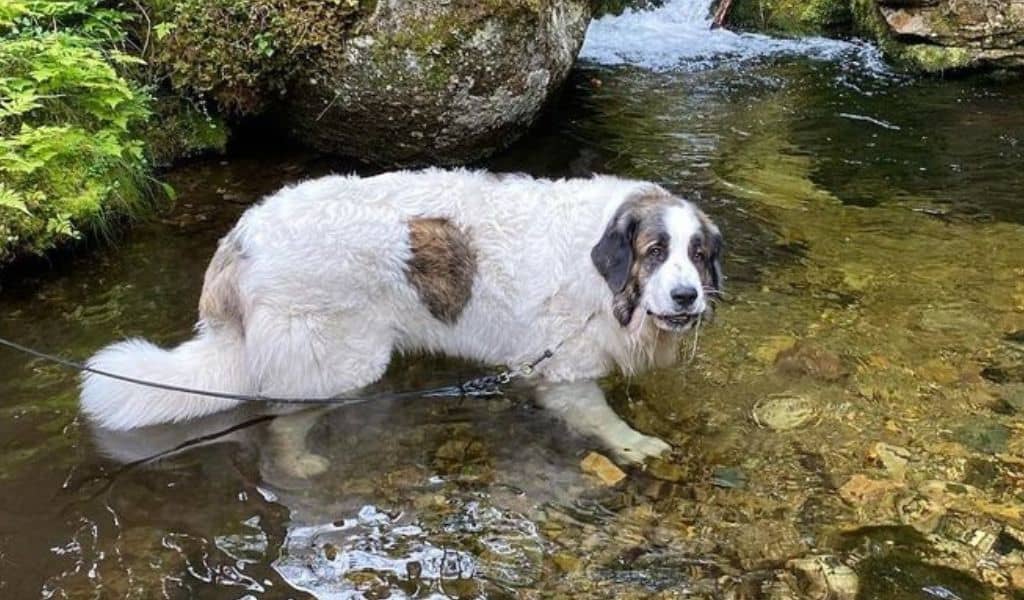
(319, 284)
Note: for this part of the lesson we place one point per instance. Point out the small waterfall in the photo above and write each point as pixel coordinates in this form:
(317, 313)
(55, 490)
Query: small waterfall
(678, 36)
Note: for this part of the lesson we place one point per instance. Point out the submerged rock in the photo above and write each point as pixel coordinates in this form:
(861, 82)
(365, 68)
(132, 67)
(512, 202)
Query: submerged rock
(1017, 578)
(782, 412)
(809, 359)
(601, 467)
(893, 459)
(860, 490)
(1012, 396)
(825, 578)
(923, 514)
(983, 435)
(766, 542)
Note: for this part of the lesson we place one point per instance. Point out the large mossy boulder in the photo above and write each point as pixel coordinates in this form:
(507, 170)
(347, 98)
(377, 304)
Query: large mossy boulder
(938, 35)
(437, 81)
(393, 82)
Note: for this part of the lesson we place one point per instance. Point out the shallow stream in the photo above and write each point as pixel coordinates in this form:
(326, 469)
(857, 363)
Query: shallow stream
(851, 420)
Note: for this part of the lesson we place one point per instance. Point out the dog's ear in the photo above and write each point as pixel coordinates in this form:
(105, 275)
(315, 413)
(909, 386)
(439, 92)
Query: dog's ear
(715, 247)
(613, 254)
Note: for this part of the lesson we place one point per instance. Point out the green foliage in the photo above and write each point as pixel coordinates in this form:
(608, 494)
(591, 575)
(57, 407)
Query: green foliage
(180, 129)
(617, 7)
(70, 151)
(792, 17)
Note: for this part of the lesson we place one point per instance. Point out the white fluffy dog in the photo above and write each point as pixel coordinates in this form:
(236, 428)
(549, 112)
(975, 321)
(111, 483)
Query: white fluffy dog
(317, 286)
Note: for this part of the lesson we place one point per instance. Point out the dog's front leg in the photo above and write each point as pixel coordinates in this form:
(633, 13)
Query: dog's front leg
(583, 407)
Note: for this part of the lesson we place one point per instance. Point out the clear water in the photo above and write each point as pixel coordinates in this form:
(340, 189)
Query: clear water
(873, 221)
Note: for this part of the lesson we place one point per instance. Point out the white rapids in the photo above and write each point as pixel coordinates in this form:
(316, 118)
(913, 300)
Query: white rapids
(678, 35)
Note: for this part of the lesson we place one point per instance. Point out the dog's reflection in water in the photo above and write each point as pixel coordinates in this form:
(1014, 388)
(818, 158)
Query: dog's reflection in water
(296, 443)
(276, 433)
(365, 481)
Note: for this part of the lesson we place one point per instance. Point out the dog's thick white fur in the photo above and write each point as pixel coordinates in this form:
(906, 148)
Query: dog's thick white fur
(318, 285)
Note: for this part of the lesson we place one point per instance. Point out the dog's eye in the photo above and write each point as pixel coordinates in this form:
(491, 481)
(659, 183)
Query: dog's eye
(655, 251)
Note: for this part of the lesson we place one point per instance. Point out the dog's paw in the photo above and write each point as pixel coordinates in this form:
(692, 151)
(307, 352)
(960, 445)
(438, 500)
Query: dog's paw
(642, 447)
(305, 465)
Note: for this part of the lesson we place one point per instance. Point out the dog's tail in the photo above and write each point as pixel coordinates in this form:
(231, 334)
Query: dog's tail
(214, 360)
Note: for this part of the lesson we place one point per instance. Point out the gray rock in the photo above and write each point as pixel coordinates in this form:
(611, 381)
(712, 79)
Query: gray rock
(958, 33)
(436, 81)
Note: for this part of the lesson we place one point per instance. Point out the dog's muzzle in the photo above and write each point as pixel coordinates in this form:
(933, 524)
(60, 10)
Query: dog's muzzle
(675, 322)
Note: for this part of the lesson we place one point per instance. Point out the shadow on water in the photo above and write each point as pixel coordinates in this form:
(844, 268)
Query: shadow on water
(857, 399)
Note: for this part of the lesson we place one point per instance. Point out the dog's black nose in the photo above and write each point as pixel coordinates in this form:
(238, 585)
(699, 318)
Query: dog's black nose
(684, 296)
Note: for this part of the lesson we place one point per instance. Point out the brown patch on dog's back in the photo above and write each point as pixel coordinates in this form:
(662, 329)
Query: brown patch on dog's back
(442, 267)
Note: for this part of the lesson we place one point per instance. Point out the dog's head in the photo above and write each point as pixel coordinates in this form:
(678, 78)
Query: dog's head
(662, 256)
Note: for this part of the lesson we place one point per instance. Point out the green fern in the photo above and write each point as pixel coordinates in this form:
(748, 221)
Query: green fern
(70, 151)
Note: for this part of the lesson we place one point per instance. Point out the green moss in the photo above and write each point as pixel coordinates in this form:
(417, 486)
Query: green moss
(240, 53)
(869, 22)
(436, 43)
(792, 17)
(617, 7)
(180, 129)
(935, 59)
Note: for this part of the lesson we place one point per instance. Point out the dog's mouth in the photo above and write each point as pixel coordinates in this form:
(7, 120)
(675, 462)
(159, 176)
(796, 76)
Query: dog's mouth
(675, 322)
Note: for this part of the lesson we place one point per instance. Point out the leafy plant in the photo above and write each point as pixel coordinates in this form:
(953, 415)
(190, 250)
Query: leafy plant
(70, 151)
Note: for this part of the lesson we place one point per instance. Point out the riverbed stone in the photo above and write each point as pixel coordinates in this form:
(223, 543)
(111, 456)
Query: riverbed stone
(784, 411)
(825, 578)
(921, 513)
(893, 459)
(601, 467)
(967, 499)
(1017, 578)
(1012, 395)
(808, 359)
(983, 435)
(861, 489)
(768, 542)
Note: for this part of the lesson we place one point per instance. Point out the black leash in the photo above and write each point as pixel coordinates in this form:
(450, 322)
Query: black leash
(487, 385)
